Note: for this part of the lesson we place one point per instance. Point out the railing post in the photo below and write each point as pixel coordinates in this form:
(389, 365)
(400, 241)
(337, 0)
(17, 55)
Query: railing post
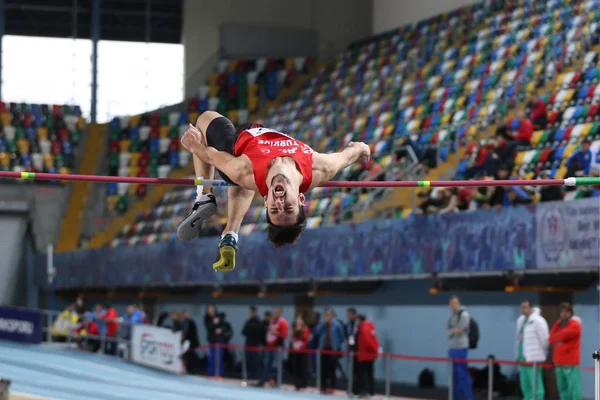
(103, 340)
(350, 373)
(451, 379)
(596, 357)
(244, 367)
(388, 375)
(319, 370)
(217, 347)
(534, 385)
(279, 366)
(490, 378)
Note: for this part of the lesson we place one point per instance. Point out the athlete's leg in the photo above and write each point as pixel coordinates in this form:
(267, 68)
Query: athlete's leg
(239, 201)
(205, 205)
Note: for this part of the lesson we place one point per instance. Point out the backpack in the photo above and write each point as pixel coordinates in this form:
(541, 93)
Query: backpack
(473, 332)
(426, 379)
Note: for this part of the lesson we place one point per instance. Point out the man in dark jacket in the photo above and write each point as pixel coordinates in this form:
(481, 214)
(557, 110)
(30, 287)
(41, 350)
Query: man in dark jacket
(255, 332)
(189, 330)
(352, 338)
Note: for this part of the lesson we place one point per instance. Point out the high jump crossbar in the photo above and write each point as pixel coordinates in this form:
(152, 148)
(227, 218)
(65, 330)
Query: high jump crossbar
(583, 181)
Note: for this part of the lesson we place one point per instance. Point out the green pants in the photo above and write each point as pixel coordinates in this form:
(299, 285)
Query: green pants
(526, 378)
(567, 380)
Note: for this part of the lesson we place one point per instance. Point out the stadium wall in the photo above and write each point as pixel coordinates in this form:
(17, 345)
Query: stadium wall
(13, 278)
(336, 23)
(47, 207)
(390, 14)
(409, 321)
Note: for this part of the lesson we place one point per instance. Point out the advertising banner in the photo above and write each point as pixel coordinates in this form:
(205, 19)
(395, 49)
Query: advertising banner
(20, 325)
(567, 234)
(157, 348)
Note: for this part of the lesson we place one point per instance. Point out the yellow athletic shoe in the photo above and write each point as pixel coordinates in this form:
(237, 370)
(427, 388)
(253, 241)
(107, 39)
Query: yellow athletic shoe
(227, 251)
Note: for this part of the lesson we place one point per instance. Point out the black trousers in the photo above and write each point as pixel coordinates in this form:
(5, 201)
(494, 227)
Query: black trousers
(328, 367)
(299, 368)
(365, 381)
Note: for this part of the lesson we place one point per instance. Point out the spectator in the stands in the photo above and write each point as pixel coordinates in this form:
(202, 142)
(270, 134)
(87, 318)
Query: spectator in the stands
(522, 137)
(79, 306)
(565, 336)
(458, 347)
(226, 335)
(111, 320)
(351, 329)
(331, 338)
(539, 114)
(532, 346)
(298, 360)
(368, 349)
(276, 336)
(580, 162)
(163, 320)
(66, 321)
(549, 193)
(175, 321)
(212, 323)
(132, 316)
(478, 160)
(502, 131)
(255, 332)
(189, 330)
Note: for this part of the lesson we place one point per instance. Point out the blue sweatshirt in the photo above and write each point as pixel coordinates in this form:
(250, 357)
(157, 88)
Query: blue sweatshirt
(581, 158)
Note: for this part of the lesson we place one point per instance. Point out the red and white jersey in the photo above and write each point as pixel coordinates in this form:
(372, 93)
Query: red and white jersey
(261, 145)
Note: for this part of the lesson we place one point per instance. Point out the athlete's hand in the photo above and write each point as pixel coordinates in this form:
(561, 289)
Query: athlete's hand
(192, 139)
(365, 150)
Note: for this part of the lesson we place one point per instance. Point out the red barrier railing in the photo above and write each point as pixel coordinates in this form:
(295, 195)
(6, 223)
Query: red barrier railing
(383, 355)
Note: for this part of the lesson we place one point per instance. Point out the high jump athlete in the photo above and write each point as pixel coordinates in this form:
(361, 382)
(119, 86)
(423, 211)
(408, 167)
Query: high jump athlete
(256, 159)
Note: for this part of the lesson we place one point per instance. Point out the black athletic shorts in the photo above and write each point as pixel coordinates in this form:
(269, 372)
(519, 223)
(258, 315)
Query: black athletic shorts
(222, 135)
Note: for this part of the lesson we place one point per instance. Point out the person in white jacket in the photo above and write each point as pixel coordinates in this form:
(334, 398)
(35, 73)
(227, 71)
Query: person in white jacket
(532, 346)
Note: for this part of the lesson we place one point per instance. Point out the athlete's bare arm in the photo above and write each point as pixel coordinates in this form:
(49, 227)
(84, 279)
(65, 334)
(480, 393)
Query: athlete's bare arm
(238, 169)
(326, 166)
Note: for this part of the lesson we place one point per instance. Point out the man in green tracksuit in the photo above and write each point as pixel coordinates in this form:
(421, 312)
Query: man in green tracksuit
(532, 345)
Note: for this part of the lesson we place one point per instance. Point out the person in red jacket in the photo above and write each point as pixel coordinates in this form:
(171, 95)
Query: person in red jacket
(111, 319)
(565, 336)
(367, 351)
(539, 114)
(525, 132)
(298, 359)
(276, 335)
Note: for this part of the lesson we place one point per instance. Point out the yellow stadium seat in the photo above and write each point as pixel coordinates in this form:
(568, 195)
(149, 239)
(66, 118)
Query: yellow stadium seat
(125, 145)
(134, 121)
(81, 123)
(535, 139)
(42, 133)
(560, 79)
(134, 160)
(472, 130)
(406, 213)
(520, 157)
(212, 79)
(386, 161)
(111, 202)
(6, 118)
(163, 131)
(252, 89)
(569, 95)
(388, 130)
(569, 150)
(23, 146)
(193, 116)
(4, 159)
(233, 116)
(253, 103)
(48, 161)
(446, 118)
(232, 65)
(289, 63)
(463, 50)
(460, 102)
(213, 90)
(586, 129)
(530, 87)
(419, 111)
(132, 188)
(133, 170)
(561, 173)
